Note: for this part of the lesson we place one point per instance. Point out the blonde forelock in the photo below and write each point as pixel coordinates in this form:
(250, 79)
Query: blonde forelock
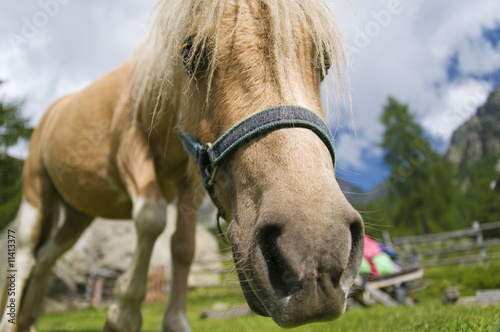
(157, 56)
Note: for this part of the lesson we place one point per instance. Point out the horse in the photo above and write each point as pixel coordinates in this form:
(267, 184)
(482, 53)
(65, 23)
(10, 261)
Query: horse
(208, 70)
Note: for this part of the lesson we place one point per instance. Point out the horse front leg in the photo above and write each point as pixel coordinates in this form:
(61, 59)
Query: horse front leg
(150, 220)
(183, 248)
(149, 213)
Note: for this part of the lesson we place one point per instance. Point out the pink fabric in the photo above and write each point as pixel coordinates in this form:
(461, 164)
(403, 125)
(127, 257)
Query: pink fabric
(374, 271)
(372, 248)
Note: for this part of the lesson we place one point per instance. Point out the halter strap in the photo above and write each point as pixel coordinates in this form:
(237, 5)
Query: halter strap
(208, 157)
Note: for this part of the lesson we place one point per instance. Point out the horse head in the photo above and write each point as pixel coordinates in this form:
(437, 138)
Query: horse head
(297, 243)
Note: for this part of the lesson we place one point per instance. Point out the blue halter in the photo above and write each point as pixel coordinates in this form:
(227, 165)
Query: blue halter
(209, 156)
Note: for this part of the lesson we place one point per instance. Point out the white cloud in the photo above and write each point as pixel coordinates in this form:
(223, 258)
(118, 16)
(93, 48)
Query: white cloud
(457, 103)
(49, 48)
(408, 56)
(477, 56)
(350, 156)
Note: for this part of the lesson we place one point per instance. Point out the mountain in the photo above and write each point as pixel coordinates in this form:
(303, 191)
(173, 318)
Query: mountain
(356, 195)
(479, 137)
(476, 139)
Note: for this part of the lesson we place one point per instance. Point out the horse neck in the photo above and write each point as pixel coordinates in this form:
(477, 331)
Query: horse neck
(158, 111)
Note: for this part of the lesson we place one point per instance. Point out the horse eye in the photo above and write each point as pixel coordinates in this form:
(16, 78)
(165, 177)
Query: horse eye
(193, 60)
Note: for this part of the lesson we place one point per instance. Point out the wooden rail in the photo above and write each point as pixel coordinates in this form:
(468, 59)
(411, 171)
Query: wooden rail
(436, 249)
(101, 281)
(473, 231)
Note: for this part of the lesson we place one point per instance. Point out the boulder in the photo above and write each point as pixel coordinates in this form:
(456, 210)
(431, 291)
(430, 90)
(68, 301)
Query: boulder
(110, 244)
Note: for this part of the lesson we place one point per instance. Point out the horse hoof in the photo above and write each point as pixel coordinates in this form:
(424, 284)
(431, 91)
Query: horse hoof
(176, 323)
(121, 319)
(108, 328)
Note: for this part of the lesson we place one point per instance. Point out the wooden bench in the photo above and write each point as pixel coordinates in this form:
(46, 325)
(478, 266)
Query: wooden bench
(391, 289)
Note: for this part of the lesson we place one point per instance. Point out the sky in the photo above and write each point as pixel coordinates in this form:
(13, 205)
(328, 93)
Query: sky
(442, 58)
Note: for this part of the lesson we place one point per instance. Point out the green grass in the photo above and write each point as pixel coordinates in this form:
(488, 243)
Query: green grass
(467, 278)
(429, 315)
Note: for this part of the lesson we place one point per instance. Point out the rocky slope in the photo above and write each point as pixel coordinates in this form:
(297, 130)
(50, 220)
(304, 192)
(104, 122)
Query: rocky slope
(479, 136)
(109, 245)
(356, 195)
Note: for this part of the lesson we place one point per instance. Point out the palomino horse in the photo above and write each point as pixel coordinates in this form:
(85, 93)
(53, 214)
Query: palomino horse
(113, 150)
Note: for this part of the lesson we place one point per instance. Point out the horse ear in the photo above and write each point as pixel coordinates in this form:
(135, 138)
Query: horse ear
(324, 62)
(327, 61)
(193, 57)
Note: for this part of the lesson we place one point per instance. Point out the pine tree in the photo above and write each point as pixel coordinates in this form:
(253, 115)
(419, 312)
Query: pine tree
(422, 192)
(478, 201)
(13, 127)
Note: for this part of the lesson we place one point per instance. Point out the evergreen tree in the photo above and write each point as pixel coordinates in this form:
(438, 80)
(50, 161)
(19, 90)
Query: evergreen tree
(478, 202)
(13, 127)
(422, 192)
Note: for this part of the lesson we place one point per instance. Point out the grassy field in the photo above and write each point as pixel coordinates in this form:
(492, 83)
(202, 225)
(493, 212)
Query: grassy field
(428, 315)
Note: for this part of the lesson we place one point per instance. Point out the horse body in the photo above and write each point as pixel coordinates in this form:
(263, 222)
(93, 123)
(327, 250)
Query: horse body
(79, 153)
(112, 150)
(88, 141)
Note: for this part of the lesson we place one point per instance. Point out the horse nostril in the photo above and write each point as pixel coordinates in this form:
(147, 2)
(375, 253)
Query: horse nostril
(357, 234)
(281, 276)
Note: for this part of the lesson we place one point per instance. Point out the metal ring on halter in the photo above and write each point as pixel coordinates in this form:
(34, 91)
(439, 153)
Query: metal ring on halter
(219, 230)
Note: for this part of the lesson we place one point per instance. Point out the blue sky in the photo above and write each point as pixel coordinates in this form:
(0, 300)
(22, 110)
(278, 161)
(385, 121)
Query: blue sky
(368, 177)
(440, 57)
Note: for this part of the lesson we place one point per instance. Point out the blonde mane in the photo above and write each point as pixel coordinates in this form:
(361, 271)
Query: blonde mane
(157, 57)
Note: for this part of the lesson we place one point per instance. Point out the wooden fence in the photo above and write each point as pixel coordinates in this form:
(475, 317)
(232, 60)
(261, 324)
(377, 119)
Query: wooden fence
(101, 282)
(158, 284)
(100, 285)
(457, 247)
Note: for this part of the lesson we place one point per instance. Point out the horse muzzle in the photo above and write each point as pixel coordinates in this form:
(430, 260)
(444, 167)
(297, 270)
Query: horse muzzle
(299, 276)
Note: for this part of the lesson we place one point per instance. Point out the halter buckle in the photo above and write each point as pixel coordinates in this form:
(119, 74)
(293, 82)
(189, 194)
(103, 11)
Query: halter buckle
(205, 166)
